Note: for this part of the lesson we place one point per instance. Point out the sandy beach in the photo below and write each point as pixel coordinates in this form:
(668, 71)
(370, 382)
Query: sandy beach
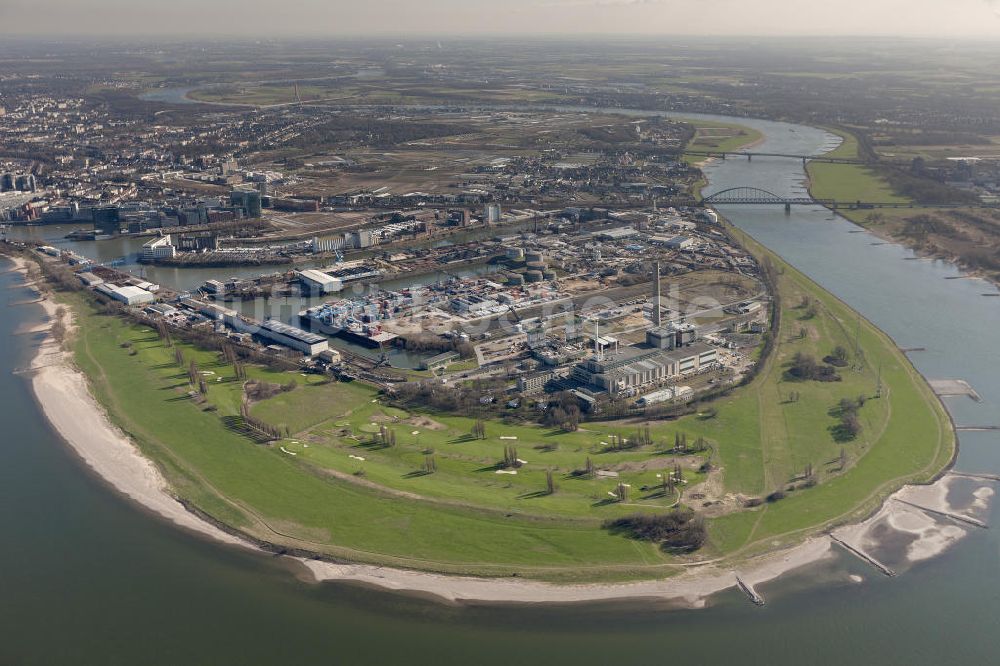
(63, 394)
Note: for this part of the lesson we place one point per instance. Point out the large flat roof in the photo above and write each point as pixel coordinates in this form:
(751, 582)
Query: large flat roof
(292, 332)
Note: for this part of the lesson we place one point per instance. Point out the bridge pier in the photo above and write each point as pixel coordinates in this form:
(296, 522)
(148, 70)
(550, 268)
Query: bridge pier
(749, 157)
(788, 208)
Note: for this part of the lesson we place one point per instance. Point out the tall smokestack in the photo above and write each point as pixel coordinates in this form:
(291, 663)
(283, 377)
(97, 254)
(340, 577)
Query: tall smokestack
(656, 295)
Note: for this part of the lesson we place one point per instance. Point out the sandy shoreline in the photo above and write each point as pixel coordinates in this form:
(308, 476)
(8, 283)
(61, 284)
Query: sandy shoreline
(63, 394)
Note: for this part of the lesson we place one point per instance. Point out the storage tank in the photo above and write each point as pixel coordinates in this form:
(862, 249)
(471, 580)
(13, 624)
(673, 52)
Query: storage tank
(515, 254)
(533, 256)
(536, 266)
(516, 279)
(533, 276)
(549, 275)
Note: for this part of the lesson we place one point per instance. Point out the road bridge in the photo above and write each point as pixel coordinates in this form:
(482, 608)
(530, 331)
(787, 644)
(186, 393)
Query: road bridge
(745, 195)
(721, 154)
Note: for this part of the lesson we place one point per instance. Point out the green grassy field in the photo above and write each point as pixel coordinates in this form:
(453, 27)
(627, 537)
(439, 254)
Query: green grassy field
(356, 92)
(722, 137)
(313, 491)
(848, 182)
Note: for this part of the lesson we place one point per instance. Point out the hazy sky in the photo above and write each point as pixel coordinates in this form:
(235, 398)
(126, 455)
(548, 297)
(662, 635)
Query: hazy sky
(421, 17)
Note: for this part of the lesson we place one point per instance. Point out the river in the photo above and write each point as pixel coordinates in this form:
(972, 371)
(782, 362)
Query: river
(90, 579)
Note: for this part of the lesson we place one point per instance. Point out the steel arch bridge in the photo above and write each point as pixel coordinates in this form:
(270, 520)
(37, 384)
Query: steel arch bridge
(755, 196)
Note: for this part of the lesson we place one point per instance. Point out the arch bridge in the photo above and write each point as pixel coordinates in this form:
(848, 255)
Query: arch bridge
(755, 196)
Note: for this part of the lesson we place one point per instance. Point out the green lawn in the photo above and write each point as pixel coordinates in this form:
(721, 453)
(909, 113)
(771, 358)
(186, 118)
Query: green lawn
(848, 182)
(722, 137)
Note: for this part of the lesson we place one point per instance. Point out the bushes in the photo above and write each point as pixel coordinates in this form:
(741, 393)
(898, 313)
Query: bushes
(805, 367)
(839, 357)
(258, 391)
(680, 530)
(849, 426)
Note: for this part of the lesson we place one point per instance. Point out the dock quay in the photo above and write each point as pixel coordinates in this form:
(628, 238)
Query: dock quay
(953, 387)
(860, 554)
(976, 428)
(749, 590)
(975, 522)
(982, 477)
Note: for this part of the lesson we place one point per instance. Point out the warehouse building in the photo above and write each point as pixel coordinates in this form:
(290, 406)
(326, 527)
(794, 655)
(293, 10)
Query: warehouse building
(309, 344)
(128, 295)
(318, 282)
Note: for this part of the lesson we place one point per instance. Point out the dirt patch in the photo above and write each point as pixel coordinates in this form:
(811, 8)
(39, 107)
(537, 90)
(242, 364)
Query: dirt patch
(658, 462)
(382, 417)
(424, 422)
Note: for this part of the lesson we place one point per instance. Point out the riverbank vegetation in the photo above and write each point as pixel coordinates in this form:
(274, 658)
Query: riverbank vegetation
(969, 237)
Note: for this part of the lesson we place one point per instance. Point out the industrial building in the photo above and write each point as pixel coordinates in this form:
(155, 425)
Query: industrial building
(534, 382)
(309, 344)
(318, 282)
(634, 368)
(158, 248)
(271, 330)
(664, 395)
(670, 351)
(129, 295)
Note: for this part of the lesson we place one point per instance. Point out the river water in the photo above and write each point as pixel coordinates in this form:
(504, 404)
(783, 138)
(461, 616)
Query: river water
(89, 579)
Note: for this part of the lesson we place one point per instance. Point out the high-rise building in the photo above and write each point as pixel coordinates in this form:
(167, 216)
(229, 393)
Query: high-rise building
(248, 200)
(26, 182)
(492, 214)
(107, 220)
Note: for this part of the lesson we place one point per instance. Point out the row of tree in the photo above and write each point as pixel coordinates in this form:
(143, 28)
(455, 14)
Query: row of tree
(266, 430)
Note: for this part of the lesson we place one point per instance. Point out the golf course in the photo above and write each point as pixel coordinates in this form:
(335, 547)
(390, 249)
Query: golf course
(356, 478)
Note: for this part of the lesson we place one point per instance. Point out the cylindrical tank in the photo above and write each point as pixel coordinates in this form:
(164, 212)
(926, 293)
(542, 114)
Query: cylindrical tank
(515, 253)
(533, 256)
(535, 266)
(516, 279)
(549, 275)
(533, 276)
